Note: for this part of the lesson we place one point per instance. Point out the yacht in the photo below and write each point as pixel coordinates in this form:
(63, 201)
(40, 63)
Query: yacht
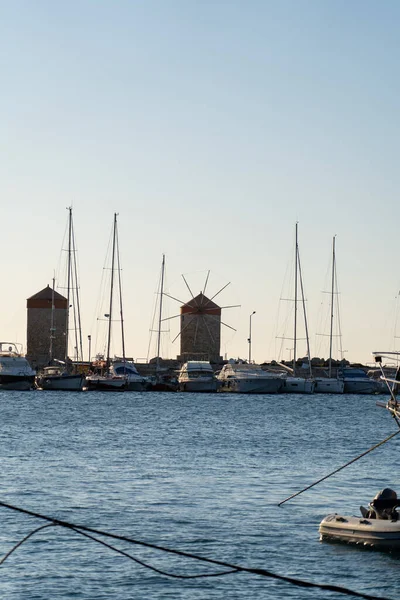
(15, 371)
(197, 376)
(126, 368)
(245, 378)
(329, 385)
(298, 385)
(356, 381)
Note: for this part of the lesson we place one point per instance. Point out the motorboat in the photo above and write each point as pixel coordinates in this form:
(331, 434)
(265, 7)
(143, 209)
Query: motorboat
(197, 376)
(57, 378)
(15, 371)
(356, 381)
(127, 369)
(378, 527)
(245, 378)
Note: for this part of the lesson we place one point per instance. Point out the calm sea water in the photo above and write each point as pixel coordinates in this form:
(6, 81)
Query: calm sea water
(201, 473)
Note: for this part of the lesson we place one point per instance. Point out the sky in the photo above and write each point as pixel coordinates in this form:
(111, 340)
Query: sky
(211, 127)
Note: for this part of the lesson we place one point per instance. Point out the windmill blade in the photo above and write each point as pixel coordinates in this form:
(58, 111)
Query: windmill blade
(222, 307)
(172, 298)
(222, 323)
(205, 286)
(195, 333)
(208, 330)
(187, 285)
(219, 291)
(176, 316)
(181, 331)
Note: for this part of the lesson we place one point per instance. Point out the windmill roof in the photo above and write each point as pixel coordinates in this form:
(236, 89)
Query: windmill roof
(201, 300)
(47, 294)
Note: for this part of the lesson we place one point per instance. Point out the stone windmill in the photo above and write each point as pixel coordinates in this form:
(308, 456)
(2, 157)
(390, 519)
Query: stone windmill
(200, 326)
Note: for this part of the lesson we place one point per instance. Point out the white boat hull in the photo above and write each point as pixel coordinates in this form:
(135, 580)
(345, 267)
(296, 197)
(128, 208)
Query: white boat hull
(373, 533)
(360, 386)
(199, 385)
(68, 383)
(259, 385)
(298, 385)
(329, 385)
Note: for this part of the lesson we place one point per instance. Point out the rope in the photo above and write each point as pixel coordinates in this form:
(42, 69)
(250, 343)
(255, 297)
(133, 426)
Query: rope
(353, 460)
(234, 568)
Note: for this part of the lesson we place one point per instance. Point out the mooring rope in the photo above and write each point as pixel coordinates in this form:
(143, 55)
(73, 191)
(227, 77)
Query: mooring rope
(86, 531)
(353, 460)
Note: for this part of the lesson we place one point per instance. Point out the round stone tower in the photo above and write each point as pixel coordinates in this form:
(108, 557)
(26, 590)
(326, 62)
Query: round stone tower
(46, 327)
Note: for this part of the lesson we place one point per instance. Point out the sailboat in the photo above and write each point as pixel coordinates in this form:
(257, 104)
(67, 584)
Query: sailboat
(118, 374)
(163, 380)
(59, 376)
(331, 385)
(294, 384)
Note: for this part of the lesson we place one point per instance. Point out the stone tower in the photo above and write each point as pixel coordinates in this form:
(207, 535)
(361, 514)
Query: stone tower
(200, 330)
(39, 308)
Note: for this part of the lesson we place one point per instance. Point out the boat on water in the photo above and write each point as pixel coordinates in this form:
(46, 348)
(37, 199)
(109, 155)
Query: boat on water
(15, 371)
(104, 378)
(378, 526)
(356, 381)
(127, 369)
(330, 384)
(244, 378)
(197, 376)
(294, 384)
(58, 374)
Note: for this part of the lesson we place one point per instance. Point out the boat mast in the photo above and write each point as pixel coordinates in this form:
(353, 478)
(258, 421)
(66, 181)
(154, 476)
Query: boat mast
(160, 313)
(77, 312)
(332, 305)
(68, 282)
(120, 303)
(295, 301)
(111, 295)
(305, 317)
(52, 321)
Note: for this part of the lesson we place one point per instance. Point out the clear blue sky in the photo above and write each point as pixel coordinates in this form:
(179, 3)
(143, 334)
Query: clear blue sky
(210, 127)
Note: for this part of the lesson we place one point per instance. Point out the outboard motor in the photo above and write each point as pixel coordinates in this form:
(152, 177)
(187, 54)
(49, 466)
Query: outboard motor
(383, 505)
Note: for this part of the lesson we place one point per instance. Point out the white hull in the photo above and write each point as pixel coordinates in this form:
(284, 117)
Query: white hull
(105, 384)
(199, 385)
(298, 385)
(373, 533)
(68, 383)
(360, 386)
(259, 385)
(329, 385)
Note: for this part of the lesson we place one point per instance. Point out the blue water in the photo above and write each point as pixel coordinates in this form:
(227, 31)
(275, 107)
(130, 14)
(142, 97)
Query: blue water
(201, 473)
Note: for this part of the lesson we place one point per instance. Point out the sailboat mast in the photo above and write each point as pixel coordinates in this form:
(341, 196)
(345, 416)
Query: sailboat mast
(120, 302)
(111, 294)
(295, 300)
(52, 321)
(68, 281)
(305, 317)
(160, 314)
(332, 305)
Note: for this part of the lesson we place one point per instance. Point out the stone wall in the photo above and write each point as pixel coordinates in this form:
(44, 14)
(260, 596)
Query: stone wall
(200, 337)
(38, 335)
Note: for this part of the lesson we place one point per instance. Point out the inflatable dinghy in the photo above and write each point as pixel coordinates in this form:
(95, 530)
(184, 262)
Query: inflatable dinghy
(378, 527)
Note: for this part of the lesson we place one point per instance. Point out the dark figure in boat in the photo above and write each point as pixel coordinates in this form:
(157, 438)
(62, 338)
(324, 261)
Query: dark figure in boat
(383, 506)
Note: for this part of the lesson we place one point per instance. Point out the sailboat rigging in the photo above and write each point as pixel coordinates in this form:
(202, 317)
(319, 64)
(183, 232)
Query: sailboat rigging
(119, 373)
(60, 375)
(331, 385)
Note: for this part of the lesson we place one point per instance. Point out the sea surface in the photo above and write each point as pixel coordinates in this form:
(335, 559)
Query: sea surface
(199, 473)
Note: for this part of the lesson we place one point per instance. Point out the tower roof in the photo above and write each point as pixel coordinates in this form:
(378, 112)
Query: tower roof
(201, 302)
(47, 294)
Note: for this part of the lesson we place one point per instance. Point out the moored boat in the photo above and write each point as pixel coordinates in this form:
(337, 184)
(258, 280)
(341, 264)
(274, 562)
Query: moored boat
(378, 527)
(15, 371)
(244, 378)
(57, 378)
(197, 376)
